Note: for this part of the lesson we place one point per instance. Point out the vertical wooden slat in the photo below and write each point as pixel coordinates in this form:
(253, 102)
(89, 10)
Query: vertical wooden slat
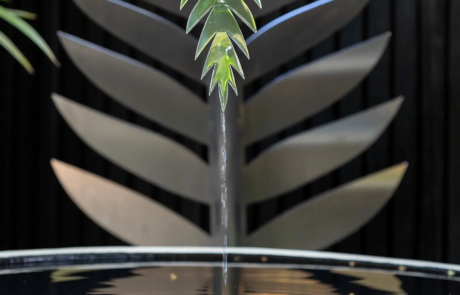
(454, 132)
(25, 154)
(404, 132)
(378, 91)
(4, 220)
(48, 77)
(433, 129)
(7, 95)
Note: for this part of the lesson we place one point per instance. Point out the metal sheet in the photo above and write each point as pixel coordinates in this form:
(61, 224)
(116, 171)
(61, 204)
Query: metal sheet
(305, 157)
(140, 88)
(328, 218)
(307, 90)
(295, 32)
(144, 153)
(148, 32)
(127, 214)
(268, 6)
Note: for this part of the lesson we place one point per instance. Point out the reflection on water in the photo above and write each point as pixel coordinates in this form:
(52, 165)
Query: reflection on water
(196, 280)
(164, 280)
(282, 281)
(386, 282)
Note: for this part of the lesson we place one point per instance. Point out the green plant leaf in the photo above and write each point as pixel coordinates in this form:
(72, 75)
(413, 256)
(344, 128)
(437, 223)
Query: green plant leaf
(24, 14)
(223, 27)
(29, 31)
(6, 43)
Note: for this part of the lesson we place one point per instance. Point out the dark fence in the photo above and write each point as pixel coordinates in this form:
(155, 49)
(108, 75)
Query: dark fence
(422, 63)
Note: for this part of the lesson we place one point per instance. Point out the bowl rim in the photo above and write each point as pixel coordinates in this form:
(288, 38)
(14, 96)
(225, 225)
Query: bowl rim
(109, 257)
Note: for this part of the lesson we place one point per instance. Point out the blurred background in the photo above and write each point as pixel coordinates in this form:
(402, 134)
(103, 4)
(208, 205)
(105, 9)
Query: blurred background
(422, 221)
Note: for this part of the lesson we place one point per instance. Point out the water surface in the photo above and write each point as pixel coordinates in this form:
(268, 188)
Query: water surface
(202, 279)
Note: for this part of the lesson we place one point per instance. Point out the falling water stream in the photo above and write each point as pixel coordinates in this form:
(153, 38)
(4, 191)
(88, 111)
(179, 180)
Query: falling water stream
(223, 197)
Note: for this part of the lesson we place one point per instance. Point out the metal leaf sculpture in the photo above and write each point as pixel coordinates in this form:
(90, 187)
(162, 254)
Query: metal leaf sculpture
(283, 102)
(220, 27)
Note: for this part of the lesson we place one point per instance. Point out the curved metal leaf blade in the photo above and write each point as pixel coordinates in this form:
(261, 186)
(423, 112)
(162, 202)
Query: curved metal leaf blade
(296, 32)
(147, 32)
(305, 157)
(269, 6)
(144, 153)
(307, 90)
(140, 87)
(127, 214)
(329, 218)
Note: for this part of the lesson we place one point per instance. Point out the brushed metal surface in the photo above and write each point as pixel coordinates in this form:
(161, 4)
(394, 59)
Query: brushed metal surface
(330, 217)
(141, 88)
(144, 153)
(132, 217)
(291, 34)
(307, 90)
(268, 6)
(147, 32)
(305, 157)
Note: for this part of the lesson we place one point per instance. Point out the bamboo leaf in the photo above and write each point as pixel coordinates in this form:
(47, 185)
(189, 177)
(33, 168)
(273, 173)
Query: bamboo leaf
(6, 43)
(29, 31)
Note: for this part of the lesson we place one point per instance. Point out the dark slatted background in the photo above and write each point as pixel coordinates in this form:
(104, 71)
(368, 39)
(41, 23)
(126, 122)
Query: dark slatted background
(422, 63)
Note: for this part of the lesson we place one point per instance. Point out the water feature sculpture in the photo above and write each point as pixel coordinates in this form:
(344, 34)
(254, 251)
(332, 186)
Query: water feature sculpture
(289, 99)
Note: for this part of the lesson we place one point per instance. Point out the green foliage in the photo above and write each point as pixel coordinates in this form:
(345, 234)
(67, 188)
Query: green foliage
(16, 19)
(221, 27)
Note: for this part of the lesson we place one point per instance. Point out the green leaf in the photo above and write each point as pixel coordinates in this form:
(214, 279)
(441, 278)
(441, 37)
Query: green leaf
(242, 10)
(199, 11)
(182, 3)
(221, 20)
(204, 6)
(223, 27)
(29, 31)
(24, 14)
(222, 57)
(6, 43)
